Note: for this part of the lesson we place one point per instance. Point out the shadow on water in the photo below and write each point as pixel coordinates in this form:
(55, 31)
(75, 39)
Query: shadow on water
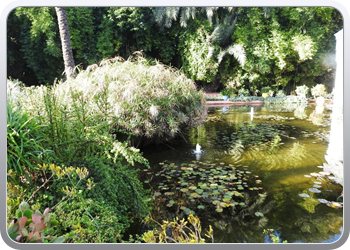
(249, 175)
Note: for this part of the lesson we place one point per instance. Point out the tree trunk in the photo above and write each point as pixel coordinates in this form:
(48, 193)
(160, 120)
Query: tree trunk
(65, 41)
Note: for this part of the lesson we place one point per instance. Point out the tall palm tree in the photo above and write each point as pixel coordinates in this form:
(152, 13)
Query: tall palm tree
(65, 41)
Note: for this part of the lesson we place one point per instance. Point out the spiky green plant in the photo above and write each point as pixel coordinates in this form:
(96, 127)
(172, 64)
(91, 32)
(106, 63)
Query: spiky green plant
(24, 136)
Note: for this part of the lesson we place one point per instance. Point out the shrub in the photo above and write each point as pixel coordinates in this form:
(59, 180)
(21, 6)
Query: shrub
(79, 194)
(246, 98)
(265, 89)
(145, 98)
(225, 92)
(318, 90)
(302, 90)
(83, 117)
(81, 137)
(33, 227)
(280, 93)
(243, 91)
(117, 192)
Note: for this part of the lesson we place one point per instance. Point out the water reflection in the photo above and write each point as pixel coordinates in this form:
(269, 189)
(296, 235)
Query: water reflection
(281, 152)
(300, 111)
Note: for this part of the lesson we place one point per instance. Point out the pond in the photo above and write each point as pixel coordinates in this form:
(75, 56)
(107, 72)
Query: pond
(257, 168)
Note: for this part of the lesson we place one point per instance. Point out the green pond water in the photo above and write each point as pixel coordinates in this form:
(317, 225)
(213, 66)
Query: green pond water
(253, 173)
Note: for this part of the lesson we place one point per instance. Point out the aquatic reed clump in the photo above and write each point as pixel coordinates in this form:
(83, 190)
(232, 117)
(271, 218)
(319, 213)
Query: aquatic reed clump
(145, 98)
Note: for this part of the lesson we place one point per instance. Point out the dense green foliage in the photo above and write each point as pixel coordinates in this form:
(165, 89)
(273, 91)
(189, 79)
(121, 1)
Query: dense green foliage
(83, 140)
(88, 123)
(72, 145)
(237, 48)
(24, 137)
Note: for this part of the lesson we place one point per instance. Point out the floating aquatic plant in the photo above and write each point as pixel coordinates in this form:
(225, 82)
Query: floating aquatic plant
(304, 195)
(259, 214)
(205, 185)
(314, 190)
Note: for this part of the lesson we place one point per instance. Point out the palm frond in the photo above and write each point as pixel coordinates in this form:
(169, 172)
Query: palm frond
(185, 14)
(210, 12)
(267, 12)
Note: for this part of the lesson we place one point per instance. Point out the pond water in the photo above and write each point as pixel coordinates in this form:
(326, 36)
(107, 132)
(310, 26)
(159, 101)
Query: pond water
(258, 168)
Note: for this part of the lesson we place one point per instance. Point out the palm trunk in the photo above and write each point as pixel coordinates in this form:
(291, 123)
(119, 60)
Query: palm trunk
(65, 41)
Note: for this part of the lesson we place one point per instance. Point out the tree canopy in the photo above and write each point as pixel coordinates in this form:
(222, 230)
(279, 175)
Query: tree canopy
(244, 48)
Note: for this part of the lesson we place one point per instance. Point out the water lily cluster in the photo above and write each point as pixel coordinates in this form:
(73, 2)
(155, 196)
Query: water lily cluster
(192, 187)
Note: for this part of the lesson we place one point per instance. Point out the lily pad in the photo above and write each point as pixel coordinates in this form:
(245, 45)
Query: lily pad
(314, 190)
(334, 204)
(219, 210)
(259, 214)
(224, 204)
(303, 195)
(184, 190)
(157, 194)
(228, 197)
(195, 195)
(215, 202)
(226, 200)
(199, 191)
(323, 201)
(188, 211)
(200, 207)
(204, 195)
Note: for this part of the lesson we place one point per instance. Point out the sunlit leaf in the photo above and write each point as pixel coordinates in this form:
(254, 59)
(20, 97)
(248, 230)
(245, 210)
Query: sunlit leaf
(334, 204)
(314, 190)
(259, 214)
(157, 194)
(219, 210)
(303, 195)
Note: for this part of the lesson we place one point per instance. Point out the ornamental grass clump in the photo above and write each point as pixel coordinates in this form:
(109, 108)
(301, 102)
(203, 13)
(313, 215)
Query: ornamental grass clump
(147, 99)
